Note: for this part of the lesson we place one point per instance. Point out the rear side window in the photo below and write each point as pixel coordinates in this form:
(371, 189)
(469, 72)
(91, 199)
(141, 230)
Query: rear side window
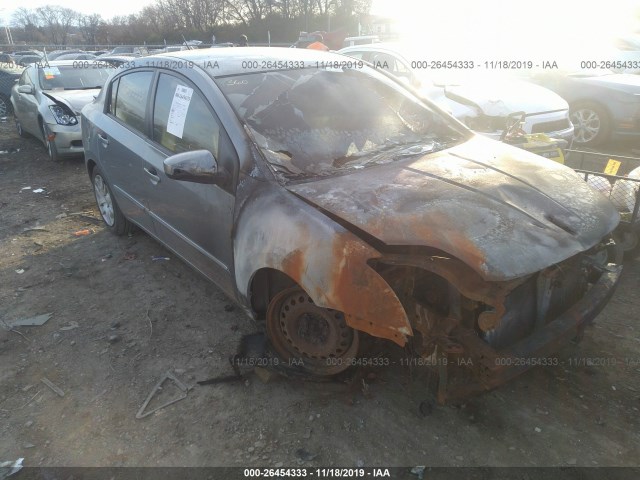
(129, 98)
(181, 119)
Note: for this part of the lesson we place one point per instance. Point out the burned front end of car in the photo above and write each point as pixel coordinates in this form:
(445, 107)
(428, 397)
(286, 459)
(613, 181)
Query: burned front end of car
(496, 261)
(479, 334)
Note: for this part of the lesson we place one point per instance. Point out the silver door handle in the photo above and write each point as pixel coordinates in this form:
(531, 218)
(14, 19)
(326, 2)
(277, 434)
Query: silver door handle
(153, 174)
(103, 138)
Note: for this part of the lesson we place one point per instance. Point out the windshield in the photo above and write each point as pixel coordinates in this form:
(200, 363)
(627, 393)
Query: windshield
(313, 122)
(69, 77)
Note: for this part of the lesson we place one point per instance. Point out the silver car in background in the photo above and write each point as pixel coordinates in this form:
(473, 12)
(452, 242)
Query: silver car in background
(482, 102)
(48, 98)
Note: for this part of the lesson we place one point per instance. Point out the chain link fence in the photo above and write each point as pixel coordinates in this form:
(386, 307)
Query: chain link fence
(616, 177)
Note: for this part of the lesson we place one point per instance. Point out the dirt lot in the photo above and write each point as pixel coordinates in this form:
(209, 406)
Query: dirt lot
(120, 320)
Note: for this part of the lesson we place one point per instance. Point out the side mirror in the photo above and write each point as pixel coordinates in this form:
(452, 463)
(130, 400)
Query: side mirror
(198, 166)
(25, 89)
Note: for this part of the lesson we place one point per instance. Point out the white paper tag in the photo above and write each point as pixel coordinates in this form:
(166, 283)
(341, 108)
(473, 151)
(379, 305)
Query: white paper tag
(178, 112)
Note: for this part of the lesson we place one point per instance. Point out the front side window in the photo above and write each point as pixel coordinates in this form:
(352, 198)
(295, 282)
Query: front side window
(182, 120)
(130, 101)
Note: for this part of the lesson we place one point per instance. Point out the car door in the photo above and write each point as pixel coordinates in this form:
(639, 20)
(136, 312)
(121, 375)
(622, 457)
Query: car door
(123, 142)
(26, 104)
(195, 220)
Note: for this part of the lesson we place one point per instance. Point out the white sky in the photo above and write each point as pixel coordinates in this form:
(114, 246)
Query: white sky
(107, 9)
(426, 15)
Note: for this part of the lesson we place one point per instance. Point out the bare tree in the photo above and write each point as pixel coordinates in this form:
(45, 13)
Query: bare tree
(27, 20)
(56, 22)
(89, 26)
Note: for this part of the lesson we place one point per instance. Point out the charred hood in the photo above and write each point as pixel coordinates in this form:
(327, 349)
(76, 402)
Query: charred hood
(504, 211)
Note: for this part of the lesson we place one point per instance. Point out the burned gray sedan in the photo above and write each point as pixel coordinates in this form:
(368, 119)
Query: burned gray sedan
(333, 203)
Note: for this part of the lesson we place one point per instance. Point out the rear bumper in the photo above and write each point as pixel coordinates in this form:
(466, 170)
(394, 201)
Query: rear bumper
(494, 368)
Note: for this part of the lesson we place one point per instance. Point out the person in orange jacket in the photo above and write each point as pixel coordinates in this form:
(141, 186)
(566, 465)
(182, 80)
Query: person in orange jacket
(318, 45)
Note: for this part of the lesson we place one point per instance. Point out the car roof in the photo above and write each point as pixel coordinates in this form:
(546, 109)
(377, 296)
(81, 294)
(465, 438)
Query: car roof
(396, 48)
(232, 61)
(58, 63)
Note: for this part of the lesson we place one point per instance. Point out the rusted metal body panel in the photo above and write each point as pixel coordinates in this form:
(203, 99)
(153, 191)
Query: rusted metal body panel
(278, 231)
(485, 226)
(502, 211)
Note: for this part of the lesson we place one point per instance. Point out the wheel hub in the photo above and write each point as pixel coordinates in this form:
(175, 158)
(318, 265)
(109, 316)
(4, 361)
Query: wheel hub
(586, 123)
(299, 329)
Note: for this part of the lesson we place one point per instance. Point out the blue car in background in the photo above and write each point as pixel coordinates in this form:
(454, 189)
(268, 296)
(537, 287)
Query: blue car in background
(603, 106)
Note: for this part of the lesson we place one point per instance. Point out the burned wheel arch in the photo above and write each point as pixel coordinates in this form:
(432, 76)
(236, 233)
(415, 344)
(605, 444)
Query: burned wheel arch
(282, 234)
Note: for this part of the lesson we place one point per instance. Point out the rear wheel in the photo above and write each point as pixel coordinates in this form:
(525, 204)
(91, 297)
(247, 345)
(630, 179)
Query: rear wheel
(316, 339)
(109, 210)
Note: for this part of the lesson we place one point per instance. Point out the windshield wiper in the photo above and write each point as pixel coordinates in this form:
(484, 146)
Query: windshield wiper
(383, 153)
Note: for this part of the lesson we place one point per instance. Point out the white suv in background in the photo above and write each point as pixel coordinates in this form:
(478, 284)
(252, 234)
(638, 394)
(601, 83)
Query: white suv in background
(482, 102)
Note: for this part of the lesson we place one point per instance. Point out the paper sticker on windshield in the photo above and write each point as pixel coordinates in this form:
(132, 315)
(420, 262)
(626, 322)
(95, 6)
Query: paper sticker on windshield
(178, 112)
(51, 71)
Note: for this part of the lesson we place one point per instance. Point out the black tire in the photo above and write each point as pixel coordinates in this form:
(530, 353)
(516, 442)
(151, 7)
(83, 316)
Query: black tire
(5, 106)
(52, 151)
(111, 214)
(591, 122)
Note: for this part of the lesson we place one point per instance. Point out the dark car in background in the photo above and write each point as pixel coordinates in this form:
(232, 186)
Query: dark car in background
(58, 53)
(332, 203)
(77, 56)
(9, 75)
(129, 50)
(27, 52)
(25, 60)
(6, 58)
(603, 106)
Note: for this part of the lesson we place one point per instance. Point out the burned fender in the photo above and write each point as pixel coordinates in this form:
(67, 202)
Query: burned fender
(276, 230)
